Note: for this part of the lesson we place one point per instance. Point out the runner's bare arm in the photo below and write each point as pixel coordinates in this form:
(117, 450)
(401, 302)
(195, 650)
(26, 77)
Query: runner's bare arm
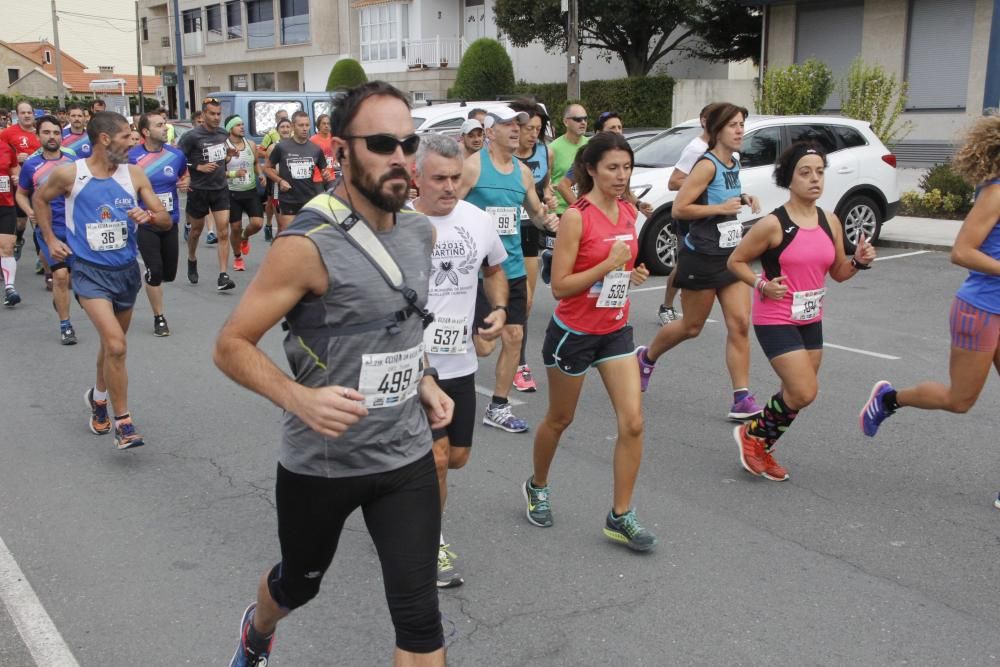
(565, 188)
(144, 192)
(685, 204)
(764, 235)
(540, 217)
(59, 183)
(291, 270)
(864, 253)
(21, 197)
(470, 175)
(978, 224)
(498, 292)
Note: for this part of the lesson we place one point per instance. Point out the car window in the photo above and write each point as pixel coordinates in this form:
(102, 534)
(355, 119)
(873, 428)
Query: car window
(665, 149)
(262, 113)
(821, 134)
(321, 107)
(417, 122)
(449, 123)
(760, 147)
(849, 137)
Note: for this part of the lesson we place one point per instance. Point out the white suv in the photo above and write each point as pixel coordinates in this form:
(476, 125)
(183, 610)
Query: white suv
(860, 184)
(447, 118)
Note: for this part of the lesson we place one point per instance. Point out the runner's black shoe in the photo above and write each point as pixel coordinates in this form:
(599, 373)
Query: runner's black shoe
(160, 328)
(225, 282)
(193, 271)
(68, 336)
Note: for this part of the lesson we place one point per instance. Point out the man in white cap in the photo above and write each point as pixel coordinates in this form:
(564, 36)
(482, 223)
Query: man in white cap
(497, 183)
(472, 137)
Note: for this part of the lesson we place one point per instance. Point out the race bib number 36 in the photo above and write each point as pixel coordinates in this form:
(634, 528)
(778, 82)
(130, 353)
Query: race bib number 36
(446, 335)
(504, 218)
(730, 233)
(614, 291)
(391, 378)
(807, 305)
(105, 236)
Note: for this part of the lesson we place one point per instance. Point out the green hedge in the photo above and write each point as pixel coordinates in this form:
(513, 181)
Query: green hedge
(52, 103)
(485, 72)
(641, 101)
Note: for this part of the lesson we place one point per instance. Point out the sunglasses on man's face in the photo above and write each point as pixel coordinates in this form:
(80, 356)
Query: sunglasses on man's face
(578, 119)
(385, 144)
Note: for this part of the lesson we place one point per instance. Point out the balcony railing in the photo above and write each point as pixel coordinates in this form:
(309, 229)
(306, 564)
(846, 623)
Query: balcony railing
(435, 52)
(194, 43)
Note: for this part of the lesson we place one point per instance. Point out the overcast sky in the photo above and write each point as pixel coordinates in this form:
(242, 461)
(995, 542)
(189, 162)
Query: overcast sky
(92, 41)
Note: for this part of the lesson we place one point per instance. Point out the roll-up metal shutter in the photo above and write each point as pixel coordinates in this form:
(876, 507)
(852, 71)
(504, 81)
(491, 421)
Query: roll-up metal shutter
(831, 35)
(938, 52)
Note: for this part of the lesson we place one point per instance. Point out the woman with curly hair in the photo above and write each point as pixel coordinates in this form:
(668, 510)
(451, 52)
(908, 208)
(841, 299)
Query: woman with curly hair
(975, 312)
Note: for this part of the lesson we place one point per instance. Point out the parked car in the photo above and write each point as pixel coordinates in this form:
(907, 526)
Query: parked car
(860, 184)
(637, 136)
(447, 118)
(257, 109)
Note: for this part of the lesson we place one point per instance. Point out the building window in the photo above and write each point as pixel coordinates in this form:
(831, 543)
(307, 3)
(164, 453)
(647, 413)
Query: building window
(145, 29)
(384, 29)
(48, 57)
(260, 24)
(234, 20)
(832, 35)
(213, 22)
(194, 36)
(294, 21)
(938, 53)
(13, 74)
(239, 82)
(263, 81)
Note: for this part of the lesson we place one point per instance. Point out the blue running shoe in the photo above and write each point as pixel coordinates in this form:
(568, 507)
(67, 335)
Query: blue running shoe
(10, 296)
(539, 511)
(99, 421)
(126, 436)
(245, 656)
(627, 530)
(211, 238)
(874, 412)
(500, 416)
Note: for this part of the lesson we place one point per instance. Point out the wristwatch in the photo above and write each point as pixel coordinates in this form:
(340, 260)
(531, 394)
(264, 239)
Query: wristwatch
(503, 308)
(430, 371)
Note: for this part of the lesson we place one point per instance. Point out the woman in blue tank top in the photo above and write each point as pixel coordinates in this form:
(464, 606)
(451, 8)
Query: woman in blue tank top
(711, 197)
(975, 311)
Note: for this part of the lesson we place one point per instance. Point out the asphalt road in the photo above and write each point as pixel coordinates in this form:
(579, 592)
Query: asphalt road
(875, 552)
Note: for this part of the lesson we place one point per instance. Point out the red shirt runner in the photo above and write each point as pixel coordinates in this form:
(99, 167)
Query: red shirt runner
(21, 141)
(8, 162)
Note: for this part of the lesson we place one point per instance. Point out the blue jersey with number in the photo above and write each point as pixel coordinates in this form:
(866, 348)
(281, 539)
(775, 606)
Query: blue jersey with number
(34, 172)
(78, 143)
(98, 229)
(163, 168)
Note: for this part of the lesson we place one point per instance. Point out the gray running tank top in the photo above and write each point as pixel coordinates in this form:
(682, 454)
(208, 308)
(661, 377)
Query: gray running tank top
(389, 437)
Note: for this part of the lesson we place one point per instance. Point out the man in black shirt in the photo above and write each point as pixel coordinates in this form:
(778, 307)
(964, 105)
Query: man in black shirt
(291, 165)
(204, 147)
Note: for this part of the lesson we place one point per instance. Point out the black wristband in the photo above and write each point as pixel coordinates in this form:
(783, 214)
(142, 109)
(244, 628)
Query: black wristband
(432, 372)
(503, 308)
(859, 266)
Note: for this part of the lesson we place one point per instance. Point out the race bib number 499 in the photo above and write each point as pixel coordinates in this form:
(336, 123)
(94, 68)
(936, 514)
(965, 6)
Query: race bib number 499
(390, 378)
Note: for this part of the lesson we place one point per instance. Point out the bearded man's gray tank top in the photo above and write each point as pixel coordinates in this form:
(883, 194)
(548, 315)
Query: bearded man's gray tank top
(321, 354)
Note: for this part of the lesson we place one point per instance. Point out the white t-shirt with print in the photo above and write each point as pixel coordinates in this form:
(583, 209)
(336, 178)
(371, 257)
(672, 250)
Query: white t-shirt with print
(464, 239)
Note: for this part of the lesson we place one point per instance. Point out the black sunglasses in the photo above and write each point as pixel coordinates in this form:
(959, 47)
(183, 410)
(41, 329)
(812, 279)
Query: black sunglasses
(578, 119)
(210, 100)
(385, 144)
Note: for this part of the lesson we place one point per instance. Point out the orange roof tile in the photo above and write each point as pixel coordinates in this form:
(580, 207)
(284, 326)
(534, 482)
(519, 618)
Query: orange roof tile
(35, 51)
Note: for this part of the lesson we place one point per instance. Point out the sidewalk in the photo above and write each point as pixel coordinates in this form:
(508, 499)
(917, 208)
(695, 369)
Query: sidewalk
(919, 233)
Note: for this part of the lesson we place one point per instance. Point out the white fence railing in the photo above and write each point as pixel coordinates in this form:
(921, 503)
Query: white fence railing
(434, 52)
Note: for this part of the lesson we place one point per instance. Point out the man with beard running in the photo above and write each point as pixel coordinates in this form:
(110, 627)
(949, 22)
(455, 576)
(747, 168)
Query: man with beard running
(465, 239)
(498, 184)
(350, 278)
(34, 172)
(103, 194)
(204, 147)
(166, 169)
(74, 136)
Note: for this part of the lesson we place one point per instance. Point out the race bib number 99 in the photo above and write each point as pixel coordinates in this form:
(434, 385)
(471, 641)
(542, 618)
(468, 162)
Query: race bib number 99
(504, 218)
(730, 233)
(391, 378)
(105, 236)
(614, 291)
(807, 305)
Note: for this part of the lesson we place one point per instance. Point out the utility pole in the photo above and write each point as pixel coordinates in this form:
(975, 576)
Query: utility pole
(138, 56)
(60, 91)
(179, 50)
(573, 53)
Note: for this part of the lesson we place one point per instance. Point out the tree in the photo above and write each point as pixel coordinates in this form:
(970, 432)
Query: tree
(870, 93)
(640, 32)
(485, 72)
(346, 73)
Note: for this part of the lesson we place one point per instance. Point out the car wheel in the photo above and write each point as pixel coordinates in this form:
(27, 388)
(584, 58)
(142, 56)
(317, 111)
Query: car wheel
(659, 248)
(859, 214)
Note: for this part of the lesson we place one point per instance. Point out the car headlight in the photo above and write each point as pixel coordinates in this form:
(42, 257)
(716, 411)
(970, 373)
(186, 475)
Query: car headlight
(639, 191)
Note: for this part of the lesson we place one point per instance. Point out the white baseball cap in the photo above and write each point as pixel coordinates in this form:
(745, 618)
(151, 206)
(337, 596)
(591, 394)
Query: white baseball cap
(470, 125)
(505, 115)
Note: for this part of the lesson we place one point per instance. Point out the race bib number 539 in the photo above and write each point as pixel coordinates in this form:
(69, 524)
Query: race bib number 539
(390, 378)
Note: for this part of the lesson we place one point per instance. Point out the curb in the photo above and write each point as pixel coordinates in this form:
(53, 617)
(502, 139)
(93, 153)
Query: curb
(912, 245)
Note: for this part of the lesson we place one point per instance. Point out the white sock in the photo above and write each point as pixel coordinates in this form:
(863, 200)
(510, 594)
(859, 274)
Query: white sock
(100, 395)
(9, 267)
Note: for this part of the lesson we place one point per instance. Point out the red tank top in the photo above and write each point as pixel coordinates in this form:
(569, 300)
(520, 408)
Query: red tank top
(604, 307)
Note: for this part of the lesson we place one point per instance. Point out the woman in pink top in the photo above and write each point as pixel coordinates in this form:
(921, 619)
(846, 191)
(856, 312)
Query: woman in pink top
(798, 245)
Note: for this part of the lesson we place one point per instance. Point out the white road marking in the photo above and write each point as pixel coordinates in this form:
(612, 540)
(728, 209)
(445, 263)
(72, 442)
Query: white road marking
(488, 393)
(647, 289)
(877, 355)
(39, 633)
(903, 254)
